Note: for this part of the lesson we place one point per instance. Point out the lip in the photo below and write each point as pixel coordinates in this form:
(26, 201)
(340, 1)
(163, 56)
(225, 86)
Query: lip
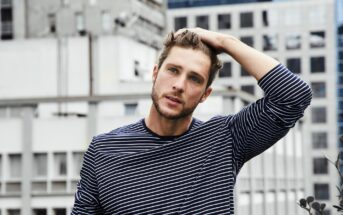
(173, 99)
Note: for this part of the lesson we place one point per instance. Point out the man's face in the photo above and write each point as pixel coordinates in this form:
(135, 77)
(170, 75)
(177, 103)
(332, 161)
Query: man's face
(180, 83)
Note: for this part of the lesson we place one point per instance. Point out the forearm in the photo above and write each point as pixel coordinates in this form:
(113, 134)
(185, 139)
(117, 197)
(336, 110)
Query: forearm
(256, 63)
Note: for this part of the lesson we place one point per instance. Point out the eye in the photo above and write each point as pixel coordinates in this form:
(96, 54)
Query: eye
(195, 79)
(172, 70)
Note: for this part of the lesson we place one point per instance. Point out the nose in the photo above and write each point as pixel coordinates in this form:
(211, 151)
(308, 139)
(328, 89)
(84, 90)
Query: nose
(179, 84)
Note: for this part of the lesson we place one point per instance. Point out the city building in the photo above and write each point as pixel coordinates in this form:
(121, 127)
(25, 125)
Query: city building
(301, 35)
(73, 69)
(143, 20)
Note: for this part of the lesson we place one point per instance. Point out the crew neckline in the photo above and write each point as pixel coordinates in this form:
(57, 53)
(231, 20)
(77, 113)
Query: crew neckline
(167, 137)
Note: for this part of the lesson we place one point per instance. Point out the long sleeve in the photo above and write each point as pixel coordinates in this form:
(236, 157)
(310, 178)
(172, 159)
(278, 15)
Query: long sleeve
(86, 196)
(261, 124)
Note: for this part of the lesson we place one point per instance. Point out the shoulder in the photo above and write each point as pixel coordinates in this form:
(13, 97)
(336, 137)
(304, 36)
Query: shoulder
(132, 130)
(213, 123)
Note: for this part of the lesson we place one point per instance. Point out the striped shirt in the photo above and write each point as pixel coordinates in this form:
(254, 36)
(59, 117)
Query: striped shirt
(132, 170)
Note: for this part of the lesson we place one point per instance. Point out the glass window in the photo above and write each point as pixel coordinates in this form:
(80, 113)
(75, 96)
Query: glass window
(15, 165)
(294, 65)
(244, 73)
(80, 23)
(130, 109)
(224, 21)
(226, 70)
(340, 67)
(180, 22)
(340, 55)
(106, 21)
(317, 64)
(317, 39)
(52, 22)
(270, 42)
(318, 114)
(319, 140)
(265, 18)
(39, 211)
(59, 211)
(40, 161)
(60, 164)
(13, 211)
(77, 162)
(202, 22)
(248, 88)
(340, 35)
(320, 166)
(246, 20)
(293, 41)
(249, 40)
(321, 191)
(318, 89)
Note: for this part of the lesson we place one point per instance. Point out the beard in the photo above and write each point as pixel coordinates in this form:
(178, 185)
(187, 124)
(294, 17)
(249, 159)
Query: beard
(184, 113)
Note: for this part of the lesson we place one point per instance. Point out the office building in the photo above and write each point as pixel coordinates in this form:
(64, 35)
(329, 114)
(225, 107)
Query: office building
(301, 35)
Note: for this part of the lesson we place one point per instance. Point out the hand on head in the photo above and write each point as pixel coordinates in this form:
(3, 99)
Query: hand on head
(213, 39)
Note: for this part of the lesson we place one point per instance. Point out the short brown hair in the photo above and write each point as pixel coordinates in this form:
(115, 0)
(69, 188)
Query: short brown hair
(188, 39)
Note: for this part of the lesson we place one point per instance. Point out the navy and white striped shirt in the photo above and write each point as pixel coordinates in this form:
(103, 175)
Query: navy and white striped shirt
(131, 170)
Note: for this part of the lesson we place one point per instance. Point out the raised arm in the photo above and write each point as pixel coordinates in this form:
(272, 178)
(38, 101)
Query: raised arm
(258, 126)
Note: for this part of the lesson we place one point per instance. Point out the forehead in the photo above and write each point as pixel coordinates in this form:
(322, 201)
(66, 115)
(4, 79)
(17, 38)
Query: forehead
(189, 59)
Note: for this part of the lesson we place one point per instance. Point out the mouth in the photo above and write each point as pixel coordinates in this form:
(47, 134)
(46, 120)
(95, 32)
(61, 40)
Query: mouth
(174, 99)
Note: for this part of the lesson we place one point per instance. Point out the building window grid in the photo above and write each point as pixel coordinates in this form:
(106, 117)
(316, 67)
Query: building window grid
(224, 21)
(202, 21)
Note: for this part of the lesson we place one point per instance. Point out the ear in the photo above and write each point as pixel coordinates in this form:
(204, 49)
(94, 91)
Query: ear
(206, 94)
(154, 73)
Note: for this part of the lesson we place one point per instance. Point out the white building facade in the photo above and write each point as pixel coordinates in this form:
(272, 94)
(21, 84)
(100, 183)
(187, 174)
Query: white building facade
(301, 35)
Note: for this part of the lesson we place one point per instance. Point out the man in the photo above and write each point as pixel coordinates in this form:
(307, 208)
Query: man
(171, 163)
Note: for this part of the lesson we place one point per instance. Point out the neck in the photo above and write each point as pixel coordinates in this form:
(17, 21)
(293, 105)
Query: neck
(167, 127)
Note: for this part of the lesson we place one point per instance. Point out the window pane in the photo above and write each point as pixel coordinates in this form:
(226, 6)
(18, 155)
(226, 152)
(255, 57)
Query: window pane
(246, 20)
(293, 41)
(180, 22)
(202, 22)
(39, 211)
(244, 73)
(340, 67)
(40, 161)
(13, 212)
(60, 164)
(317, 64)
(248, 40)
(80, 23)
(321, 191)
(318, 114)
(52, 22)
(77, 162)
(318, 89)
(15, 165)
(294, 65)
(317, 39)
(130, 109)
(224, 21)
(340, 55)
(60, 211)
(248, 88)
(320, 166)
(226, 70)
(270, 42)
(319, 140)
